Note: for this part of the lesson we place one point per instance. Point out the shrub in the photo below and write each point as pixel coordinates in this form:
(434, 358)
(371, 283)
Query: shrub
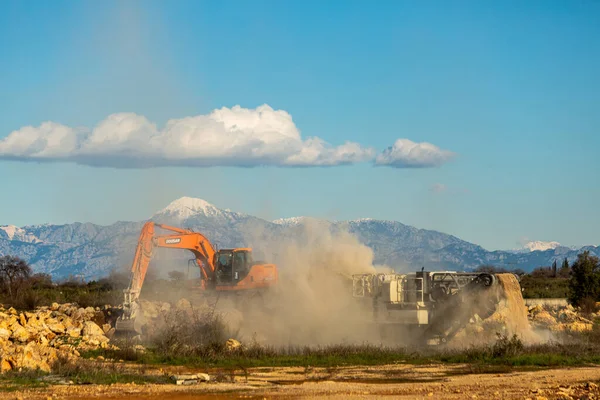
(191, 333)
(507, 347)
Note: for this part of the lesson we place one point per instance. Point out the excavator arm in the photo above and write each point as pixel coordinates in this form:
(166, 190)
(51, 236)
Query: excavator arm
(195, 242)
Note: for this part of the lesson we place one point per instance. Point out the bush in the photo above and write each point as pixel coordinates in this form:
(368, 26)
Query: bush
(507, 347)
(588, 305)
(191, 333)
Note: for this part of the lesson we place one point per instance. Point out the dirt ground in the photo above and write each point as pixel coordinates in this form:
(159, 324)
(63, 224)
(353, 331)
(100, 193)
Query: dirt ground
(356, 382)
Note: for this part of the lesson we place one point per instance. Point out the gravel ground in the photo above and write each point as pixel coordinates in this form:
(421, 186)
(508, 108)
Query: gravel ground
(356, 382)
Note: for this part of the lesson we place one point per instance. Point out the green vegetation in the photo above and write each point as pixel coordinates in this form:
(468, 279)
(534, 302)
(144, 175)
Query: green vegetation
(584, 285)
(541, 356)
(576, 349)
(24, 290)
(12, 380)
(544, 288)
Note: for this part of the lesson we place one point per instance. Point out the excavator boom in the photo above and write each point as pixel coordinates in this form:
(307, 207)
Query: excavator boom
(180, 239)
(228, 270)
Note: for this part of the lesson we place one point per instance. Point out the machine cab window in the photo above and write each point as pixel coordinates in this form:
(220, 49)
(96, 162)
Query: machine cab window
(242, 261)
(232, 266)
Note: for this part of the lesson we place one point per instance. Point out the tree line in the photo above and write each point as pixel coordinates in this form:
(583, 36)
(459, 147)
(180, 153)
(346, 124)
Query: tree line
(21, 287)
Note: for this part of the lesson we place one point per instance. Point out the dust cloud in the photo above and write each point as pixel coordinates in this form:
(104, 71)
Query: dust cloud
(313, 303)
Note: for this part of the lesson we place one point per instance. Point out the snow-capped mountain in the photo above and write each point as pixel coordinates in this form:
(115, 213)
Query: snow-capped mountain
(92, 251)
(537, 245)
(293, 221)
(189, 207)
(540, 246)
(12, 232)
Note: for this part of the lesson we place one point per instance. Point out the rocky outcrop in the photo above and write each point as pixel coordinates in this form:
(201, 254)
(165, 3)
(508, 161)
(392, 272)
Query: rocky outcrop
(35, 340)
(559, 319)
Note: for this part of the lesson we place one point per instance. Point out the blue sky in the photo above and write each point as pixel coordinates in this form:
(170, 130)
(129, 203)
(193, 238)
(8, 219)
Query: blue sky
(510, 88)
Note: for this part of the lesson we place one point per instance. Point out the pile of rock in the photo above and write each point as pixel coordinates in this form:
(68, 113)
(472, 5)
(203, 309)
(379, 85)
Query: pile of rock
(33, 340)
(553, 318)
(559, 318)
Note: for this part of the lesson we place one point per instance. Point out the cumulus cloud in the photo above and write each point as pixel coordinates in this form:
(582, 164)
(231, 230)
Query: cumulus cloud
(226, 137)
(405, 153)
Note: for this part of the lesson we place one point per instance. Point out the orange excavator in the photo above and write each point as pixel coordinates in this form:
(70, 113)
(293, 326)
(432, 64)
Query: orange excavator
(223, 270)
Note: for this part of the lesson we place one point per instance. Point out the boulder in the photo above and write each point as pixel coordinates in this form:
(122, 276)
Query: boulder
(190, 379)
(74, 331)
(544, 318)
(5, 365)
(67, 308)
(579, 327)
(55, 326)
(37, 325)
(536, 309)
(567, 316)
(19, 333)
(4, 334)
(91, 329)
(98, 318)
(95, 340)
(232, 345)
(31, 358)
(79, 314)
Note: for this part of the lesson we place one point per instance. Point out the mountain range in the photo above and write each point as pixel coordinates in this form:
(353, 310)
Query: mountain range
(91, 251)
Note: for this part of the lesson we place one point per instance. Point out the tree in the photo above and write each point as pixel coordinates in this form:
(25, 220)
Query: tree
(554, 271)
(542, 272)
(13, 273)
(584, 284)
(565, 269)
(40, 281)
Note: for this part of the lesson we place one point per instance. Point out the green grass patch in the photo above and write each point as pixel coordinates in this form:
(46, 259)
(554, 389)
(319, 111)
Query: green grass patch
(506, 351)
(12, 381)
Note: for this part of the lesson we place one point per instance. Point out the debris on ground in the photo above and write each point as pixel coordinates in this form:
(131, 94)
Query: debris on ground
(559, 318)
(190, 379)
(32, 340)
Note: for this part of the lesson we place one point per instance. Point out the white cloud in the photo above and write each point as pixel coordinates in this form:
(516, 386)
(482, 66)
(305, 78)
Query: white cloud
(226, 137)
(407, 154)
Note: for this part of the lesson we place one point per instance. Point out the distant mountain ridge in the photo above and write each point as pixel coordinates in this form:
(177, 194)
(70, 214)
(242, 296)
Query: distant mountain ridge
(92, 251)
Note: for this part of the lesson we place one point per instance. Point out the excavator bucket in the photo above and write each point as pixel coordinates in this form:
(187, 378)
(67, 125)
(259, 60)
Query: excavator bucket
(128, 326)
(132, 320)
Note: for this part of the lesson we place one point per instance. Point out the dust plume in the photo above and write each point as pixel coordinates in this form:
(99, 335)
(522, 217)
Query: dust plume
(313, 303)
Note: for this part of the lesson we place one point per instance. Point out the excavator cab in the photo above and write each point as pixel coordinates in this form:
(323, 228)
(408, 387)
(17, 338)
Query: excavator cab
(232, 265)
